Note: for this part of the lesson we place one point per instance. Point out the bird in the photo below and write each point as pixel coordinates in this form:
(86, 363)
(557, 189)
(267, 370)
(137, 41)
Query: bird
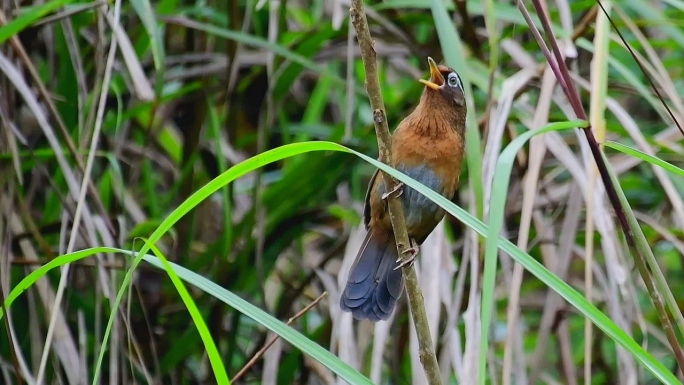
(428, 146)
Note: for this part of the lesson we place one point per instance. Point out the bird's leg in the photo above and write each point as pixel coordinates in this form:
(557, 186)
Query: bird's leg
(398, 189)
(413, 251)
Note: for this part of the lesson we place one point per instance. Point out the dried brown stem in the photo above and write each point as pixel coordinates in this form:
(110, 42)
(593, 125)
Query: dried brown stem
(263, 350)
(396, 211)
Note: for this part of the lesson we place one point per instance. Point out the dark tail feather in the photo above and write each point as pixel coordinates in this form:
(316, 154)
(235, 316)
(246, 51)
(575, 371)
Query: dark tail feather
(373, 286)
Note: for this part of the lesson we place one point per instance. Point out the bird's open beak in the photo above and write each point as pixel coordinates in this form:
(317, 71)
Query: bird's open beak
(436, 78)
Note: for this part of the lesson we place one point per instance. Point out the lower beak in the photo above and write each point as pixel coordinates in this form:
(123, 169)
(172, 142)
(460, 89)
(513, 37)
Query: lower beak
(436, 78)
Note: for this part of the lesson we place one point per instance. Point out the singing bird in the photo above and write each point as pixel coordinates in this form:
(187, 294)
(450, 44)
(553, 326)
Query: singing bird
(427, 146)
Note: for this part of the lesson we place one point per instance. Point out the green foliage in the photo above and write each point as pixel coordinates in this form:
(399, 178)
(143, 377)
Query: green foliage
(181, 172)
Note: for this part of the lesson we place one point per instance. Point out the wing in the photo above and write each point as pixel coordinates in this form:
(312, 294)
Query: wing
(366, 201)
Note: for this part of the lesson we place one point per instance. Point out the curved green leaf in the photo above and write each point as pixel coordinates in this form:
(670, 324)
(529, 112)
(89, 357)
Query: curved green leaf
(631, 151)
(26, 19)
(287, 333)
(571, 295)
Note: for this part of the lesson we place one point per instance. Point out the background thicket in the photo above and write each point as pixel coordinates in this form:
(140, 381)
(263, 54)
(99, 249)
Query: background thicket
(113, 114)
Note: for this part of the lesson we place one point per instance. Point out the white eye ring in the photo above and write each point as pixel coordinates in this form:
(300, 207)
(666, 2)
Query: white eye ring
(454, 80)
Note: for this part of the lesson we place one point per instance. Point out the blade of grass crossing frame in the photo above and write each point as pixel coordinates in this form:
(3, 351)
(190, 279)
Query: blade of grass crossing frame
(573, 297)
(294, 337)
(568, 293)
(562, 288)
(645, 157)
(212, 352)
(228, 176)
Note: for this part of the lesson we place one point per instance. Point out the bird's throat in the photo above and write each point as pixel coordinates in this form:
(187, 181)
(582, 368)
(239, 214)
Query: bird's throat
(435, 115)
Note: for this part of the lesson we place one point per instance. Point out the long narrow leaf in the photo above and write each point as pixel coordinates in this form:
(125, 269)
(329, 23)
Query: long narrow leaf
(25, 20)
(209, 344)
(292, 336)
(631, 151)
(571, 295)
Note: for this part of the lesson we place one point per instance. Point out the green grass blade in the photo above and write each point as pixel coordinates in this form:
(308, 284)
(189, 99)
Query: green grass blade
(289, 334)
(552, 281)
(631, 151)
(323, 356)
(212, 352)
(505, 12)
(26, 19)
(571, 295)
(203, 193)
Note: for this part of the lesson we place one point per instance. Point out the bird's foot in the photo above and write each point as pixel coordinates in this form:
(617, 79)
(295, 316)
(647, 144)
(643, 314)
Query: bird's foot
(408, 261)
(398, 190)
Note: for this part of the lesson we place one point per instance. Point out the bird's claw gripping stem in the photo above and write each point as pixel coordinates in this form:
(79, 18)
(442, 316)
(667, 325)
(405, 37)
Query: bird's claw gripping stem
(413, 251)
(396, 190)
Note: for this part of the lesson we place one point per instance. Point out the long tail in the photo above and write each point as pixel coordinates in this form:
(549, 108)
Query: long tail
(373, 286)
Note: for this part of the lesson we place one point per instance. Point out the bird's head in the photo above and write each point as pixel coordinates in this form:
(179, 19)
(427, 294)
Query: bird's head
(446, 82)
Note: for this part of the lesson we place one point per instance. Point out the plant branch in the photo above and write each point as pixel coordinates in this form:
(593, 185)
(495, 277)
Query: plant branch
(396, 212)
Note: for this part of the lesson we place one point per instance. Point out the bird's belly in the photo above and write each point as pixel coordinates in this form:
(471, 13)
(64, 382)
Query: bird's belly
(422, 215)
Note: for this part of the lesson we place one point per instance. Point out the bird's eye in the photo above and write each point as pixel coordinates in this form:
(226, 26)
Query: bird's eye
(454, 80)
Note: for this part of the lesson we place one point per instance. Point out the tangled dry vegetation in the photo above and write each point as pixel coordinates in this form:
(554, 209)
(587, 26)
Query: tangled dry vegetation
(118, 116)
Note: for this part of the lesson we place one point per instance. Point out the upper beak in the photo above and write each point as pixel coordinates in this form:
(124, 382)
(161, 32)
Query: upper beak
(436, 78)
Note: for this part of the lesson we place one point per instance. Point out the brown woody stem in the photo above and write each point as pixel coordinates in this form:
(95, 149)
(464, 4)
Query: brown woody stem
(396, 212)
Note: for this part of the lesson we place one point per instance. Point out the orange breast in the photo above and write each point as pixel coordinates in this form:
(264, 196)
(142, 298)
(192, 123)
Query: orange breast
(431, 154)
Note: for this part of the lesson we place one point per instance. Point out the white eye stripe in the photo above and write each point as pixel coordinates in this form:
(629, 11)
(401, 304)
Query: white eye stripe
(455, 80)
